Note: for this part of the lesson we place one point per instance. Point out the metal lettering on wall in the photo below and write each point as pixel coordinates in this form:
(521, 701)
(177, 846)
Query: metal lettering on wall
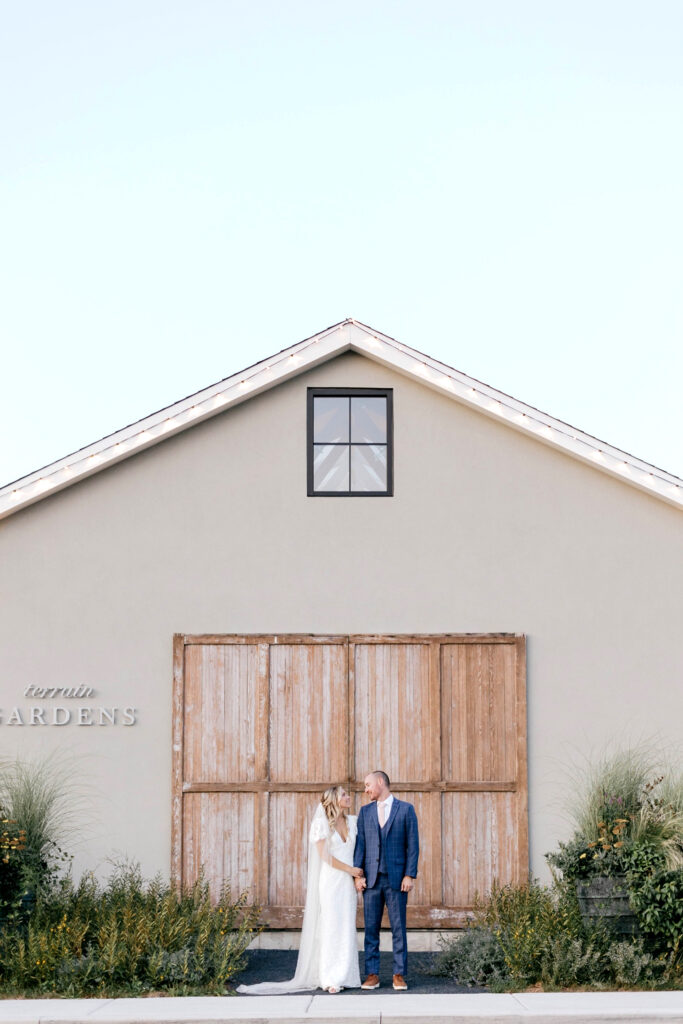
(62, 714)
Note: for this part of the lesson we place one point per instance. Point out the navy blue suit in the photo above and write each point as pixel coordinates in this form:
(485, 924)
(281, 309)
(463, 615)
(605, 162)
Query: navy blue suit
(385, 856)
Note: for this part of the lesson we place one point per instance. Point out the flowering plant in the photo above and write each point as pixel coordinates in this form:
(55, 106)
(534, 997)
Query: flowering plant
(12, 847)
(623, 808)
(607, 854)
(12, 840)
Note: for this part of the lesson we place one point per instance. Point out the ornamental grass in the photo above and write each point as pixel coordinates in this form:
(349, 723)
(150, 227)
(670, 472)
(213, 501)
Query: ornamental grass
(126, 937)
(630, 798)
(34, 798)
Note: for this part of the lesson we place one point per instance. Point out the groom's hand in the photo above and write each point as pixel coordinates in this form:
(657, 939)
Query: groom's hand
(360, 884)
(406, 884)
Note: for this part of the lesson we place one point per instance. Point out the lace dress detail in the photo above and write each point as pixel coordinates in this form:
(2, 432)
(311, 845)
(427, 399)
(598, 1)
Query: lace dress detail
(338, 904)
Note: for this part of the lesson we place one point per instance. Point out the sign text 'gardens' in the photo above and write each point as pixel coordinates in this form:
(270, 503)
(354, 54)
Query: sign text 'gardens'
(60, 714)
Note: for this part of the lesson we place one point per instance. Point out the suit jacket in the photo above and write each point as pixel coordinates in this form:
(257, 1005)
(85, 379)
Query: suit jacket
(401, 843)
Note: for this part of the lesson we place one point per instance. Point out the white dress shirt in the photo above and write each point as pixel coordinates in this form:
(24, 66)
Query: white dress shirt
(385, 806)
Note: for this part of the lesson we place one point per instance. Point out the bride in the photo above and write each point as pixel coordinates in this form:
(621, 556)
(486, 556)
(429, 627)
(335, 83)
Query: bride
(328, 954)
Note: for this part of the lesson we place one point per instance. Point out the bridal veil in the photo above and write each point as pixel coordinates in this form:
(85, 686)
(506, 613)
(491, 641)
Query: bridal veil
(307, 975)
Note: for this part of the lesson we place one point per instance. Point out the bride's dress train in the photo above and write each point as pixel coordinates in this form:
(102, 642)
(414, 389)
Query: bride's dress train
(328, 954)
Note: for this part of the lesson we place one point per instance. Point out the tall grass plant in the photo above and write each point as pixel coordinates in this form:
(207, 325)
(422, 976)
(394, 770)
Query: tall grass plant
(33, 795)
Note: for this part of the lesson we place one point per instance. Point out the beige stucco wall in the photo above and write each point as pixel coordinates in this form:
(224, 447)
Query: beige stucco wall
(212, 531)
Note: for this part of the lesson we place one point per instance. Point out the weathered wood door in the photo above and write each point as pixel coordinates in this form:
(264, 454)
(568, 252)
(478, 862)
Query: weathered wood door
(262, 724)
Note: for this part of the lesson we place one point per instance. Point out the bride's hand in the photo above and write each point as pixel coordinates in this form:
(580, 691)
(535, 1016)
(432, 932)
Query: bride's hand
(357, 872)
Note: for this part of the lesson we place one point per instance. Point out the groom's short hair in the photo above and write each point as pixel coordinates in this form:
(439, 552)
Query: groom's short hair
(385, 779)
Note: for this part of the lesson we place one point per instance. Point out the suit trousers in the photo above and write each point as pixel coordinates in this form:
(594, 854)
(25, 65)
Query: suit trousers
(374, 900)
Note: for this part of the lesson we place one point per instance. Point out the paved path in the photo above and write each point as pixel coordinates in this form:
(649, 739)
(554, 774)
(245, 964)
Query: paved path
(431, 1000)
(375, 1008)
(274, 965)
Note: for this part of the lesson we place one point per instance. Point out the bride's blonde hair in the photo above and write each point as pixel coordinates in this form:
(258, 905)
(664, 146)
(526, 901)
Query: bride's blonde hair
(331, 801)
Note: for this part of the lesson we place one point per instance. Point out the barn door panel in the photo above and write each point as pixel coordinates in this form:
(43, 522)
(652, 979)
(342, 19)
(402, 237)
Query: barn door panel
(289, 822)
(479, 713)
(394, 728)
(224, 686)
(219, 831)
(308, 713)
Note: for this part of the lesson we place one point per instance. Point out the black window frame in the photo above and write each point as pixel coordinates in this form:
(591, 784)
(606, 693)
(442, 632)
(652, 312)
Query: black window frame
(313, 393)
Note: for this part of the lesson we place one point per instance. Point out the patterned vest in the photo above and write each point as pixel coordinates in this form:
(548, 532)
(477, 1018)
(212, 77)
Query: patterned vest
(382, 862)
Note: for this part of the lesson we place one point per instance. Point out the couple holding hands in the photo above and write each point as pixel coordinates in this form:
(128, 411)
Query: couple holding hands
(374, 854)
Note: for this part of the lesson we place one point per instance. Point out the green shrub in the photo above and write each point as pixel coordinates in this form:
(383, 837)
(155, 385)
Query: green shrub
(474, 958)
(534, 925)
(530, 934)
(630, 965)
(568, 960)
(126, 937)
(658, 902)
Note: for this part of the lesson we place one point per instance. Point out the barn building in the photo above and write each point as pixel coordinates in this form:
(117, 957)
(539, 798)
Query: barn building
(348, 556)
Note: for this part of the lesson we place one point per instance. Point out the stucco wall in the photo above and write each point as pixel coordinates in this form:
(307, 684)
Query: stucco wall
(212, 531)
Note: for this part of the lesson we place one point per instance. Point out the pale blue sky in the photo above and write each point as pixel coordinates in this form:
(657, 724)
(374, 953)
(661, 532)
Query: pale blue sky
(189, 187)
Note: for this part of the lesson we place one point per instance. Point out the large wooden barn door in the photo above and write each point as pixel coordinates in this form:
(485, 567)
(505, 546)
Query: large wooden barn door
(262, 724)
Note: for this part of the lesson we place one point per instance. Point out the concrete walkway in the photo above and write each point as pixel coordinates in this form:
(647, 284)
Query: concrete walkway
(388, 1008)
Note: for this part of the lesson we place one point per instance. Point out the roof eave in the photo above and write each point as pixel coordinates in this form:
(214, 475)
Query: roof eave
(349, 335)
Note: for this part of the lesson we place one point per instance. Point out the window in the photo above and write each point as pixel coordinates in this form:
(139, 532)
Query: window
(350, 442)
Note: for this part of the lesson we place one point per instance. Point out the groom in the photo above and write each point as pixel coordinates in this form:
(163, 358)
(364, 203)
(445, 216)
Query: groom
(387, 848)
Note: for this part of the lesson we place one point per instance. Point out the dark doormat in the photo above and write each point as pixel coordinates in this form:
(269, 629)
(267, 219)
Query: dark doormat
(279, 964)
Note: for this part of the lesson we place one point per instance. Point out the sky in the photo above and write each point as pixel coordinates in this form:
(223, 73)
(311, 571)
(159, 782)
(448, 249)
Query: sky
(189, 187)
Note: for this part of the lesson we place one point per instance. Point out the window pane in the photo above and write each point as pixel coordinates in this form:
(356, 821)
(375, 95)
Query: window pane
(331, 419)
(369, 467)
(330, 467)
(369, 419)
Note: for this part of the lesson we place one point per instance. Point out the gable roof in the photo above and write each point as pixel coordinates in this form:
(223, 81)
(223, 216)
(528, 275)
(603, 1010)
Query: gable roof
(349, 335)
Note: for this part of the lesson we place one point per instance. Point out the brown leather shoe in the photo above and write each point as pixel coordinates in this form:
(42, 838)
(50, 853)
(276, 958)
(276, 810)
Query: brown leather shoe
(399, 983)
(372, 981)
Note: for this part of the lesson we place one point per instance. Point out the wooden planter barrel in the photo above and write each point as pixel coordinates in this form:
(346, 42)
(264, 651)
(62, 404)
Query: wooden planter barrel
(605, 899)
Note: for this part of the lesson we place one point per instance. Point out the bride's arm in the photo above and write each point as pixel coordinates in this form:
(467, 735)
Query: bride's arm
(338, 864)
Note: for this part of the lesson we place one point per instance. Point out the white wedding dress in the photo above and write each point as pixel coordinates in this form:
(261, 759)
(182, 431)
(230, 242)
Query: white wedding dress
(328, 954)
